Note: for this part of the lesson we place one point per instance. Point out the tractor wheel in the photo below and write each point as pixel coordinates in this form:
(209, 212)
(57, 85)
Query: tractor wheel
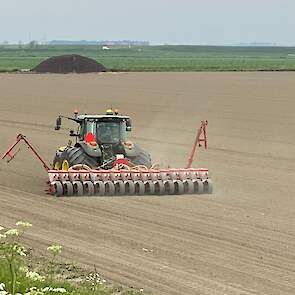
(143, 158)
(56, 162)
(73, 156)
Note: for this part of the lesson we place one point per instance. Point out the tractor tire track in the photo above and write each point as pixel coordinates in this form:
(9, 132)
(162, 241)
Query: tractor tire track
(240, 240)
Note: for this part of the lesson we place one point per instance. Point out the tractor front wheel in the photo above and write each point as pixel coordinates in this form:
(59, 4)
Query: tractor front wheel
(73, 156)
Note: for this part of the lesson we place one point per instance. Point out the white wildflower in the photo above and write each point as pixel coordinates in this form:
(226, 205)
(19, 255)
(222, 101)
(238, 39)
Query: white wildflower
(2, 289)
(54, 290)
(34, 291)
(23, 224)
(23, 269)
(34, 276)
(54, 249)
(59, 290)
(12, 232)
(1, 227)
(2, 236)
(21, 253)
(20, 250)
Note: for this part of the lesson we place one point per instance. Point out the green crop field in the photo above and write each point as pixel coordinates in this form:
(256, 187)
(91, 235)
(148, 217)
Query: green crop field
(158, 58)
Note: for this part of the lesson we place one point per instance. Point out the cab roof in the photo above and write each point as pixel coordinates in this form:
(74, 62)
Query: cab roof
(102, 117)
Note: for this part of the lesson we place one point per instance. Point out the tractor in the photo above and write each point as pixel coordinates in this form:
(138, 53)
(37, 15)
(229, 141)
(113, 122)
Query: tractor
(100, 140)
(102, 162)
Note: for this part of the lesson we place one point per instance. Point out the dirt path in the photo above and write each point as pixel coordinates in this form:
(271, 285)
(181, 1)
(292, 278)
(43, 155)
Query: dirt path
(240, 240)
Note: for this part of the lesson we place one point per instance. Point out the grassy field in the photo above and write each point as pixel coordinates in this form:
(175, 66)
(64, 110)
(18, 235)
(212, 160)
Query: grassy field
(159, 58)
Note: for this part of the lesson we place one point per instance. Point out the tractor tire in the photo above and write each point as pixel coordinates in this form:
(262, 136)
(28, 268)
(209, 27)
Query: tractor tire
(56, 161)
(75, 156)
(142, 158)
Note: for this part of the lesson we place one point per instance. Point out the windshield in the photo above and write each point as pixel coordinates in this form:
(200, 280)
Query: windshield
(108, 132)
(105, 132)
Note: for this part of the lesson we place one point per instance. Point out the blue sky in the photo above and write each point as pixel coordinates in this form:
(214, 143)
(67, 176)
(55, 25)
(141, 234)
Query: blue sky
(158, 21)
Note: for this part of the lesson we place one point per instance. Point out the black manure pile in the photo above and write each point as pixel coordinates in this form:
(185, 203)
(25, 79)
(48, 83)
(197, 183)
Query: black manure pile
(73, 63)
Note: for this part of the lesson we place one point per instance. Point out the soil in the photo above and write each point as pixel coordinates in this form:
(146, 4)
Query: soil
(72, 63)
(240, 240)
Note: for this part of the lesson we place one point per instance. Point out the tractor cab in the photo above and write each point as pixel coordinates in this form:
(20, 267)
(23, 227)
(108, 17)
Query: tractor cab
(105, 129)
(110, 128)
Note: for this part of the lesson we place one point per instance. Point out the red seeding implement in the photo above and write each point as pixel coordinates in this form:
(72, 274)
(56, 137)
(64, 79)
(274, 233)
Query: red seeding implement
(103, 162)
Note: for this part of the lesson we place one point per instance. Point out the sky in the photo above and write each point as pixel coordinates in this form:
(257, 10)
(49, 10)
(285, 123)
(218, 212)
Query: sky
(216, 22)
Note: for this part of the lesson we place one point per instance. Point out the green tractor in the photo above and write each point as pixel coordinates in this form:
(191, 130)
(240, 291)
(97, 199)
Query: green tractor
(100, 141)
(102, 162)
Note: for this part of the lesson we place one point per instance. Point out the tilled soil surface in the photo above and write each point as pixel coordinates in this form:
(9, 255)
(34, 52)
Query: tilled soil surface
(240, 240)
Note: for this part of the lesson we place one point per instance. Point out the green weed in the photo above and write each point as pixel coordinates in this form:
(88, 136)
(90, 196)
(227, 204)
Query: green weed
(17, 276)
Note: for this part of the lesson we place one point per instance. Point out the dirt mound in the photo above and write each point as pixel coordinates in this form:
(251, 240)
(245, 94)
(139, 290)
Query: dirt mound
(69, 64)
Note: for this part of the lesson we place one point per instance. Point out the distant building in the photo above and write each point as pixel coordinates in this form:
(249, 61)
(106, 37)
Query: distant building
(99, 42)
(124, 43)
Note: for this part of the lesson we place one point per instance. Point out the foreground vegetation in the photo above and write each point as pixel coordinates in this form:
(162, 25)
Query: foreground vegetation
(22, 275)
(158, 58)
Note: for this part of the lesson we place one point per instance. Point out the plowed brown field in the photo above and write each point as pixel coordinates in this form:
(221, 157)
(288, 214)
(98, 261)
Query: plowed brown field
(240, 240)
